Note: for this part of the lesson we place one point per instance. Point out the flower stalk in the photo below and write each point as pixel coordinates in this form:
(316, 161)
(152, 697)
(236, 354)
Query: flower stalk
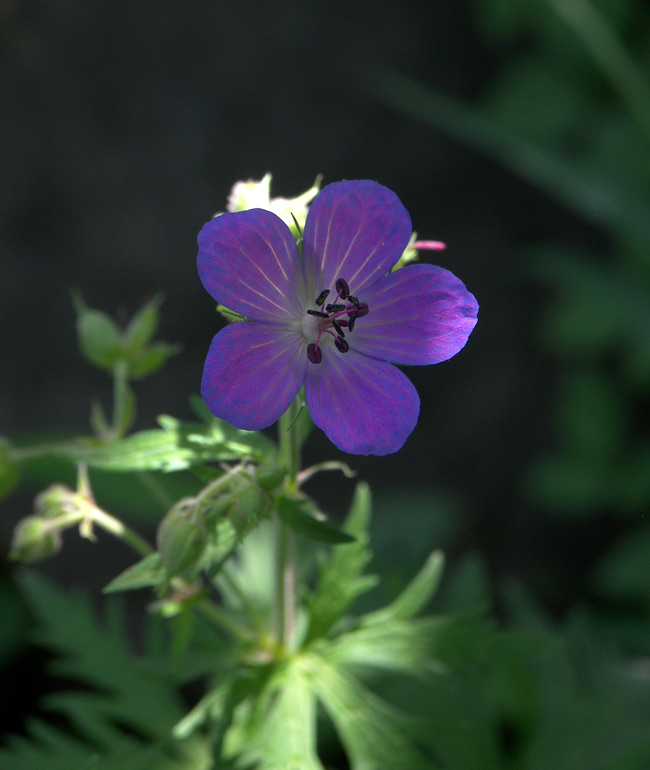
(285, 571)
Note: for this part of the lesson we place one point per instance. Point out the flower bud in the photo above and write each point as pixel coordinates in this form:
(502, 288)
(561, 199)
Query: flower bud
(35, 539)
(181, 541)
(56, 500)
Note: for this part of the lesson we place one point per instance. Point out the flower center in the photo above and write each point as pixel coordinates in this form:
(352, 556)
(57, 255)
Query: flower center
(334, 317)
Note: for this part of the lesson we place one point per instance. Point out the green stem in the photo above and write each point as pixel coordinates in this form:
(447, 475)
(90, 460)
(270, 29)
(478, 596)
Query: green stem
(285, 571)
(119, 529)
(123, 400)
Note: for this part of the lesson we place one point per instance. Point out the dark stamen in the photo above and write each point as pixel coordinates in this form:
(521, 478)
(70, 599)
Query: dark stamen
(342, 322)
(337, 327)
(351, 321)
(318, 313)
(353, 300)
(341, 344)
(342, 288)
(360, 311)
(314, 354)
(334, 308)
(322, 296)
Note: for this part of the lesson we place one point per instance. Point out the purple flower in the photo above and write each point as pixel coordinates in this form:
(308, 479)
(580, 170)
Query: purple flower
(334, 319)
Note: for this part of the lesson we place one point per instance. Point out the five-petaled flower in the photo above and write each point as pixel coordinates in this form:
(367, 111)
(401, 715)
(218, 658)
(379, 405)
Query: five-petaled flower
(333, 319)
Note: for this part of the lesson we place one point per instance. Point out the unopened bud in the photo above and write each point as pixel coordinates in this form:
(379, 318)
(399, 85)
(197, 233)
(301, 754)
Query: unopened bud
(181, 541)
(35, 539)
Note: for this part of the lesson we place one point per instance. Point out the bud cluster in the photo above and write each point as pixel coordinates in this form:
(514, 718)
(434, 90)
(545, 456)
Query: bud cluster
(38, 536)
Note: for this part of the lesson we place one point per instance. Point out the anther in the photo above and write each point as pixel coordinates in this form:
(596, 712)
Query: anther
(322, 296)
(351, 320)
(341, 344)
(360, 311)
(353, 300)
(337, 327)
(342, 288)
(317, 313)
(314, 353)
(334, 308)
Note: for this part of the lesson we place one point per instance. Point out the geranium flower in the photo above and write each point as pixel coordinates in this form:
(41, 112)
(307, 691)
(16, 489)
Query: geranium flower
(333, 319)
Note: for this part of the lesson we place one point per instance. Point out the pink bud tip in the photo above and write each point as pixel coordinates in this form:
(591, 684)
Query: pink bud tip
(432, 245)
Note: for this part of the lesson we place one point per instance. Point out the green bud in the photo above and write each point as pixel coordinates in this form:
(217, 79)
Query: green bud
(56, 500)
(181, 542)
(270, 476)
(8, 469)
(34, 539)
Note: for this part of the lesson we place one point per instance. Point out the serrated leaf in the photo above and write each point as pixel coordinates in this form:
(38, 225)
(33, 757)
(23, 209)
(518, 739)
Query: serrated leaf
(147, 573)
(121, 692)
(341, 579)
(293, 515)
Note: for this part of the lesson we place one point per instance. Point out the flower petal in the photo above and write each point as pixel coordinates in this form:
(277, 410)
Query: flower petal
(420, 314)
(249, 262)
(356, 231)
(365, 406)
(252, 373)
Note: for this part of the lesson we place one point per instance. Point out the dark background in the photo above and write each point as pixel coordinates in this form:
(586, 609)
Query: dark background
(124, 125)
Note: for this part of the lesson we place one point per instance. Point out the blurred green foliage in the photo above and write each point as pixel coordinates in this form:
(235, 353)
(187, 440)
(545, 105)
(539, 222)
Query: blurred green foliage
(568, 110)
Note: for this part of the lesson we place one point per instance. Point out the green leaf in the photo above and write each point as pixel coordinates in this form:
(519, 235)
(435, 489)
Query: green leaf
(152, 358)
(415, 596)
(404, 646)
(143, 325)
(374, 734)
(294, 516)
(341, 579)
(283, 736)
(99, 336)
(118, 706)
(147, 573)
(177, 446)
